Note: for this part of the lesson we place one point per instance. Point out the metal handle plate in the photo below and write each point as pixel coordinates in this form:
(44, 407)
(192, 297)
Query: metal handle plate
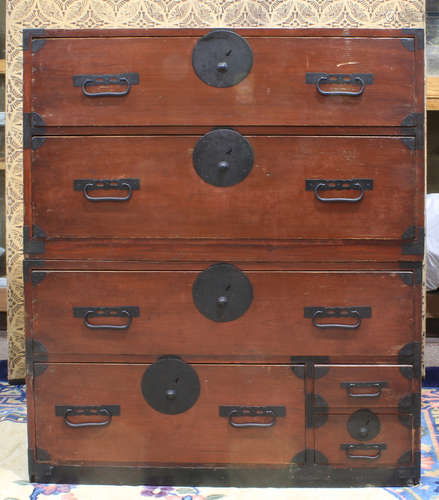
(88, 185)
(350, 447)
(232, 412)
(349, 386)
(316, 313)
(107, 411)
(357, 79)
(86, 313)
(319, 186)
(123, 79)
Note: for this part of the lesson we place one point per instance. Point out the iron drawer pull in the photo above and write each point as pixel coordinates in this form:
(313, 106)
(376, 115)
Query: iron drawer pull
(252, 411)
(268, 413)
(87, 185)
(319, 185)
(322, 314)
(123, 185)
(128, 312)
(350, 447)
(362, 79)
(107, 327)
(107, 411)
(351, 385)
(85, 81)
(102, 94)
(332, 200)
(328, 79)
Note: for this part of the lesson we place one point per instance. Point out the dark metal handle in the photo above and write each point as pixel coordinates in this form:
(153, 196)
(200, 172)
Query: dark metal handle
(93, 314)
(322, 314)
(102, 411)
(87, 185)
(123, 185)
(86, 81)
(351, 385)
(267, 413)
(320, 186)
(327, 79)
(102, 94)
(350, 447)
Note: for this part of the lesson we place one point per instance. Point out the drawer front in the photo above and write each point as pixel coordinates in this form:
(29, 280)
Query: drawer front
(347, 386)
(280, 89)
(210, 314)
(137, 432)
(156, 192)
(391, 444)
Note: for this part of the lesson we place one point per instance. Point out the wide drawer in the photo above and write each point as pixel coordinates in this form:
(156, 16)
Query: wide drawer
(221, 313)
(280, 89)
(388, 440)
(147, 188)
(207, 421)
(347, 386)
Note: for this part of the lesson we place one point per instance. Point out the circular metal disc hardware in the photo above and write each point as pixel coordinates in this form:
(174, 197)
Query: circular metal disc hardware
(223, 157)
(222, 58)
(170, 386)
(363, 425)
(222, 292)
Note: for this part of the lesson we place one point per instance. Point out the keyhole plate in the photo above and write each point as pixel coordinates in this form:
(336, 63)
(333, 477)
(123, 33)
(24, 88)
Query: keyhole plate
(222, 58)
(223, 157)
(170, 386)
(363, 425)
(225, 282)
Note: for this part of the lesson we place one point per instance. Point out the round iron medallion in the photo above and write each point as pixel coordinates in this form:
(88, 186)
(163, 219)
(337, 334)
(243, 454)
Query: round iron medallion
(363, 425)
(223, 157)
(222, 292)
(170, 386)
(222, 58)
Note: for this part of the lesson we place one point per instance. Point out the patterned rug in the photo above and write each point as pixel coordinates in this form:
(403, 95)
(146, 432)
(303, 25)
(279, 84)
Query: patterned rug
(14, 486)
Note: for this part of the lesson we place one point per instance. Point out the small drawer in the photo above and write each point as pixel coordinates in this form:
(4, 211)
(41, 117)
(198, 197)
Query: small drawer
(168, 412)
(365, 438)
(222, 313)
(343, 386)
(262, 79)
(150, 188)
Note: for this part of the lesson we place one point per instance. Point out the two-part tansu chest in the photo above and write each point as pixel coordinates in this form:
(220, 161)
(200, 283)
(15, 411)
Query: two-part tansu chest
(223, 255)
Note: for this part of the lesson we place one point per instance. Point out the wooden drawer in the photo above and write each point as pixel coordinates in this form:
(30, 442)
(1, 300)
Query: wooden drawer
(278, 200)
(141, 433)
(391, 444)
(167, 91)
(270, 318)
(348, 386)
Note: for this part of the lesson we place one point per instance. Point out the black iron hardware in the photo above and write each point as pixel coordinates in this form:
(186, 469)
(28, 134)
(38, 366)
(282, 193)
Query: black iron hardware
(320, 185)
(349, 447)
(316, 410)
(107, 411)
(35, 244)
(222, 292)
(125, 79)
(231, 412)
(86, 313)
(363, 425)
(319, 79)
(223, 157)
(306, 366)
(349, 386)
(222, 58)
(170, 386)
(317, 312)
(87, 185)
(33, 125)
(410, 354)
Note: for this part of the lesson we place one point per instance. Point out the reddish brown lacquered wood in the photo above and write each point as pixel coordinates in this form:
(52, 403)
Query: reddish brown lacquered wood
(271, 203)
(143, 435)
(272, 330)
(393, 434)
(330, 388)
(275, 92)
